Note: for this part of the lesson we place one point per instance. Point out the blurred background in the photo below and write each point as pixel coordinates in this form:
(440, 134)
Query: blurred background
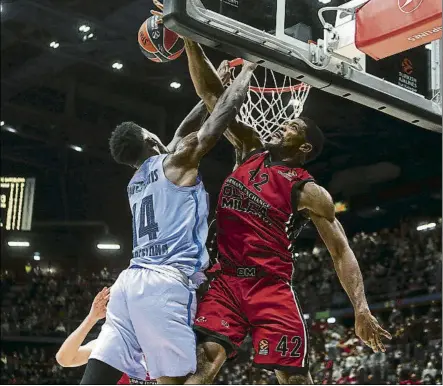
(70, 72)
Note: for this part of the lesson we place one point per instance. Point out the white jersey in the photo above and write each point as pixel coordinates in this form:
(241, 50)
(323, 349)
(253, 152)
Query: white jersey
(169, 222)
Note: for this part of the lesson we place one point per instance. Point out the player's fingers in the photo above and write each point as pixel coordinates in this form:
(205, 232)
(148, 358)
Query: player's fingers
(379, 343)
(385, 333)
(158, 4)
(373, 344)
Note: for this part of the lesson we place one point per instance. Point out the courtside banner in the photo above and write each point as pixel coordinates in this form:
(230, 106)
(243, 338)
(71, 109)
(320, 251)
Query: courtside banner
(387, 27)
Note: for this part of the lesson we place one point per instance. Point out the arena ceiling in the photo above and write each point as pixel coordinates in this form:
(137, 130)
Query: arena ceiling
(53, 99)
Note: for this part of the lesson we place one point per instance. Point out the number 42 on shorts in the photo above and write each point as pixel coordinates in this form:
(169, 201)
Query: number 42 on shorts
(292, 349)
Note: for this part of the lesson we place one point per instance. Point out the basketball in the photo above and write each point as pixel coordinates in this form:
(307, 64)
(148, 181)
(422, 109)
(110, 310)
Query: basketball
(158, 43)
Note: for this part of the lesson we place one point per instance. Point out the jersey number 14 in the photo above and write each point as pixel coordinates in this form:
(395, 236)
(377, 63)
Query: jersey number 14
(147, 224)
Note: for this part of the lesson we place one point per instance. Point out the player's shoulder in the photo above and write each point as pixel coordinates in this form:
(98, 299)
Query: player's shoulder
(181, 153)
(186, 142)
(295, 176)
(317, 199)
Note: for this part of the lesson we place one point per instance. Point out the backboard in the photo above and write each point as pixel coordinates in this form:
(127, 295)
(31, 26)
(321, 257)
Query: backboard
(292, 38)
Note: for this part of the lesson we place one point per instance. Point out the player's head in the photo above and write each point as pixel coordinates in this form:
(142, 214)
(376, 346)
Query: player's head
(299, 138)
(131, 144)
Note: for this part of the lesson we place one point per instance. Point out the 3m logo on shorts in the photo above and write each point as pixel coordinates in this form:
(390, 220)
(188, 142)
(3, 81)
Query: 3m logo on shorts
(201, 319)
(225, 323)
(246, 272)
(263, 347)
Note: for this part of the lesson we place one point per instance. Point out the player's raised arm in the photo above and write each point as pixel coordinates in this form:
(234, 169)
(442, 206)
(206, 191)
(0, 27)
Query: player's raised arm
(322, 212)
(209, 87)
(72, 353)
(192, 148)
(193, 121)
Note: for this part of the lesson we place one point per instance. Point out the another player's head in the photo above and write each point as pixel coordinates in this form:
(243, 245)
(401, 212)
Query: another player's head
(131, 144)
(299, 139)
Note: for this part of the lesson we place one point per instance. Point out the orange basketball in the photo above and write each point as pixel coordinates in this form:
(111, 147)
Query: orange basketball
(158, 43)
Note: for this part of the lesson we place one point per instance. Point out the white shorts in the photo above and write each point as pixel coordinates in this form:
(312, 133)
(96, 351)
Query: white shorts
(150, 312)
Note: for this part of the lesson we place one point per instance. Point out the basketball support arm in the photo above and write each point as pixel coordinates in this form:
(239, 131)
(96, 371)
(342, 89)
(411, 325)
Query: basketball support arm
(299, 60)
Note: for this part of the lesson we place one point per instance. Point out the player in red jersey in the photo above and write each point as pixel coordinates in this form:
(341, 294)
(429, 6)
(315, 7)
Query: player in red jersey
(73, 353)
(262, 207)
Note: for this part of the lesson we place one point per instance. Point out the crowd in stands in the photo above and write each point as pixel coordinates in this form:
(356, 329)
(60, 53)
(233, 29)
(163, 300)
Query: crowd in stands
(389, 259)
(36, 366)
(397, 264)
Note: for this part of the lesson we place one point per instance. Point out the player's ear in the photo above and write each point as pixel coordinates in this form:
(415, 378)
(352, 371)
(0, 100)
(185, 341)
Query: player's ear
(306, 147)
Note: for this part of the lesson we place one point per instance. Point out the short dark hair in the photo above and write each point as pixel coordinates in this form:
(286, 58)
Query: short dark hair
(315, 137)
(127, 143)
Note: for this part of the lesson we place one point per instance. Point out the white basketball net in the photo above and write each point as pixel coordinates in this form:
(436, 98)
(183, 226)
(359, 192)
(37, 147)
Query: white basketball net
(271, 100)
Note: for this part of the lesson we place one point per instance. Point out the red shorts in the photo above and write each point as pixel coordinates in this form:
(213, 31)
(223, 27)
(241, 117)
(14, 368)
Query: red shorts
(268, 309)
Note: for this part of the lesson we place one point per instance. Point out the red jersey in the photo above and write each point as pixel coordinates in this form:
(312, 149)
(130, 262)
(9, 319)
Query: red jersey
(257, 215)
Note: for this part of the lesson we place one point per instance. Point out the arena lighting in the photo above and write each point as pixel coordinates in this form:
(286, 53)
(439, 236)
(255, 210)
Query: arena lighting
(18, 244)
(54, 44)
(175, 85)
(10, 129)
(87, 37)
(331, 320)
(2, 123)
(425, 227)
(117, 66)
(76, 148)
(37, 256)
(324, 1)
(84, 28)
(108, 247)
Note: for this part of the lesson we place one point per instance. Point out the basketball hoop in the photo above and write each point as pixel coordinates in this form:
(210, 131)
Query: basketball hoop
(272, 99)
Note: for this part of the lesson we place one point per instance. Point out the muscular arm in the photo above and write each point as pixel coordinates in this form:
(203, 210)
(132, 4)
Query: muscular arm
(322, 212)
(72, 353)
(209, 88)
(181, 166)
(191, 123)
(319, 203)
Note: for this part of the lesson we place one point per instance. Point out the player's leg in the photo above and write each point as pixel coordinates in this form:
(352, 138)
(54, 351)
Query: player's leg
(285, 378)
(220, 328)
(100, 373)
(116, 347)
(280, 337)
(162, 308)
(210, 358)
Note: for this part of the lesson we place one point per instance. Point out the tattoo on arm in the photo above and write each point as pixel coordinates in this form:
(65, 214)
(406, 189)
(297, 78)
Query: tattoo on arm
(193, 121)
(225, 110)
(209, 87)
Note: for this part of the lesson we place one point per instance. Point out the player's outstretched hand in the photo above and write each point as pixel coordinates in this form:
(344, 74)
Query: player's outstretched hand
(98, 308)
(370, 332)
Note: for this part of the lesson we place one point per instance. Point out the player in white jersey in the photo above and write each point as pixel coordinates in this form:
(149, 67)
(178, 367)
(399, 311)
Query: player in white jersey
(152, 304)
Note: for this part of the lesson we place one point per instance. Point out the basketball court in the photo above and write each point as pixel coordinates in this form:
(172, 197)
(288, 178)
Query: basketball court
(342, 50)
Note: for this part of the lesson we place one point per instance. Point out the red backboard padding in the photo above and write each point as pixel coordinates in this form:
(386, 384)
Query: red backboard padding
(387, 27)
